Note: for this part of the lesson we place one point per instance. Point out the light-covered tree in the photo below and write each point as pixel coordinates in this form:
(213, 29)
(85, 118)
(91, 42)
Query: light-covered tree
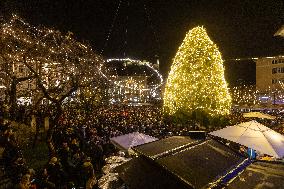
(57, 65)
(196, 80)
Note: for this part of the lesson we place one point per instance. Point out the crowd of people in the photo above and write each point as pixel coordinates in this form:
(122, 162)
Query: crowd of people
(81, 144)
(81, 140)
(70, 168)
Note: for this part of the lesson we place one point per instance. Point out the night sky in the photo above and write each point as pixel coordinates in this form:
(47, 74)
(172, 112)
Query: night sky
(240, 28)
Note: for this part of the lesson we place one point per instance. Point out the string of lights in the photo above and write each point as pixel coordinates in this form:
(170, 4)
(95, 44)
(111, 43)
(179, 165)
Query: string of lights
(111, 27)
(148, 15)
(252, 58)
(138, 62)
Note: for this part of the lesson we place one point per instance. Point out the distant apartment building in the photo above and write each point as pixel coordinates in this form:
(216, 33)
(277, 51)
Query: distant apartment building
(270, 80)
(270, 74)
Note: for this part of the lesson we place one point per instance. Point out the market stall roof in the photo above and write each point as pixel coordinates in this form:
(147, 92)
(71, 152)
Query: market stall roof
(164, 146)
(141, 172)
(280, 32)
(132, 139)
(203, 163)
(256, 136)
(260, 175)
(195, 166)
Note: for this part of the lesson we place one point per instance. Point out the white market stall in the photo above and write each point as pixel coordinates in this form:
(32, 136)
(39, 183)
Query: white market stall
(256, 136)
(127, 141)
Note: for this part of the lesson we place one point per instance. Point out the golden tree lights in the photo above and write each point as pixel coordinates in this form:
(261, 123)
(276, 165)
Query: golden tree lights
(196, 80)
(58, 63)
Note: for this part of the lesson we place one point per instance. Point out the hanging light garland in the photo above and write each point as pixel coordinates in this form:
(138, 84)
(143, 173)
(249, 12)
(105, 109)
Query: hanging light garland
(138, 62)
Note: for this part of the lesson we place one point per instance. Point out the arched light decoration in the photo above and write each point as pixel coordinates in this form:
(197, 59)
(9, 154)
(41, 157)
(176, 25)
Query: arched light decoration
(137, 62)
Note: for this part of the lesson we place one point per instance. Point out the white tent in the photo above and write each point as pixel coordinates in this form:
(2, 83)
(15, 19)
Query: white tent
(280, 32)
(258, 115)
(256, 136)
(132, 139)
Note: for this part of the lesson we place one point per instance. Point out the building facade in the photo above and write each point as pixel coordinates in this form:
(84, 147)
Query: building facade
(270, 74)
(270, 80)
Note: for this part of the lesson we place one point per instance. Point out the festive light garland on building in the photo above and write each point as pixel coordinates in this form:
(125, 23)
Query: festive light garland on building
(196, 80)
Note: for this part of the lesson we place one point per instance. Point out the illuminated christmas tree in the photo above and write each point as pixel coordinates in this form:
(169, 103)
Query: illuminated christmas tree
(196, 81)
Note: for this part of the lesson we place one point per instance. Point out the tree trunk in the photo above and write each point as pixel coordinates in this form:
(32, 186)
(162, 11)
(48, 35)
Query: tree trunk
(36, 127)
(52, 127)
(13, 99)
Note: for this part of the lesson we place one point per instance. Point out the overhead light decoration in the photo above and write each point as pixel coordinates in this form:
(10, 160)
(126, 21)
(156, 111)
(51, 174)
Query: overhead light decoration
(129, 61)
(134, 81)
(196, 80)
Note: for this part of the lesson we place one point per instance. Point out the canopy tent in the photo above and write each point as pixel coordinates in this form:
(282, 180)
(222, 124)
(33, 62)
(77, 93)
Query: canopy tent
(280, 32)
(256, 136)
(132, 139)
(258, 115)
